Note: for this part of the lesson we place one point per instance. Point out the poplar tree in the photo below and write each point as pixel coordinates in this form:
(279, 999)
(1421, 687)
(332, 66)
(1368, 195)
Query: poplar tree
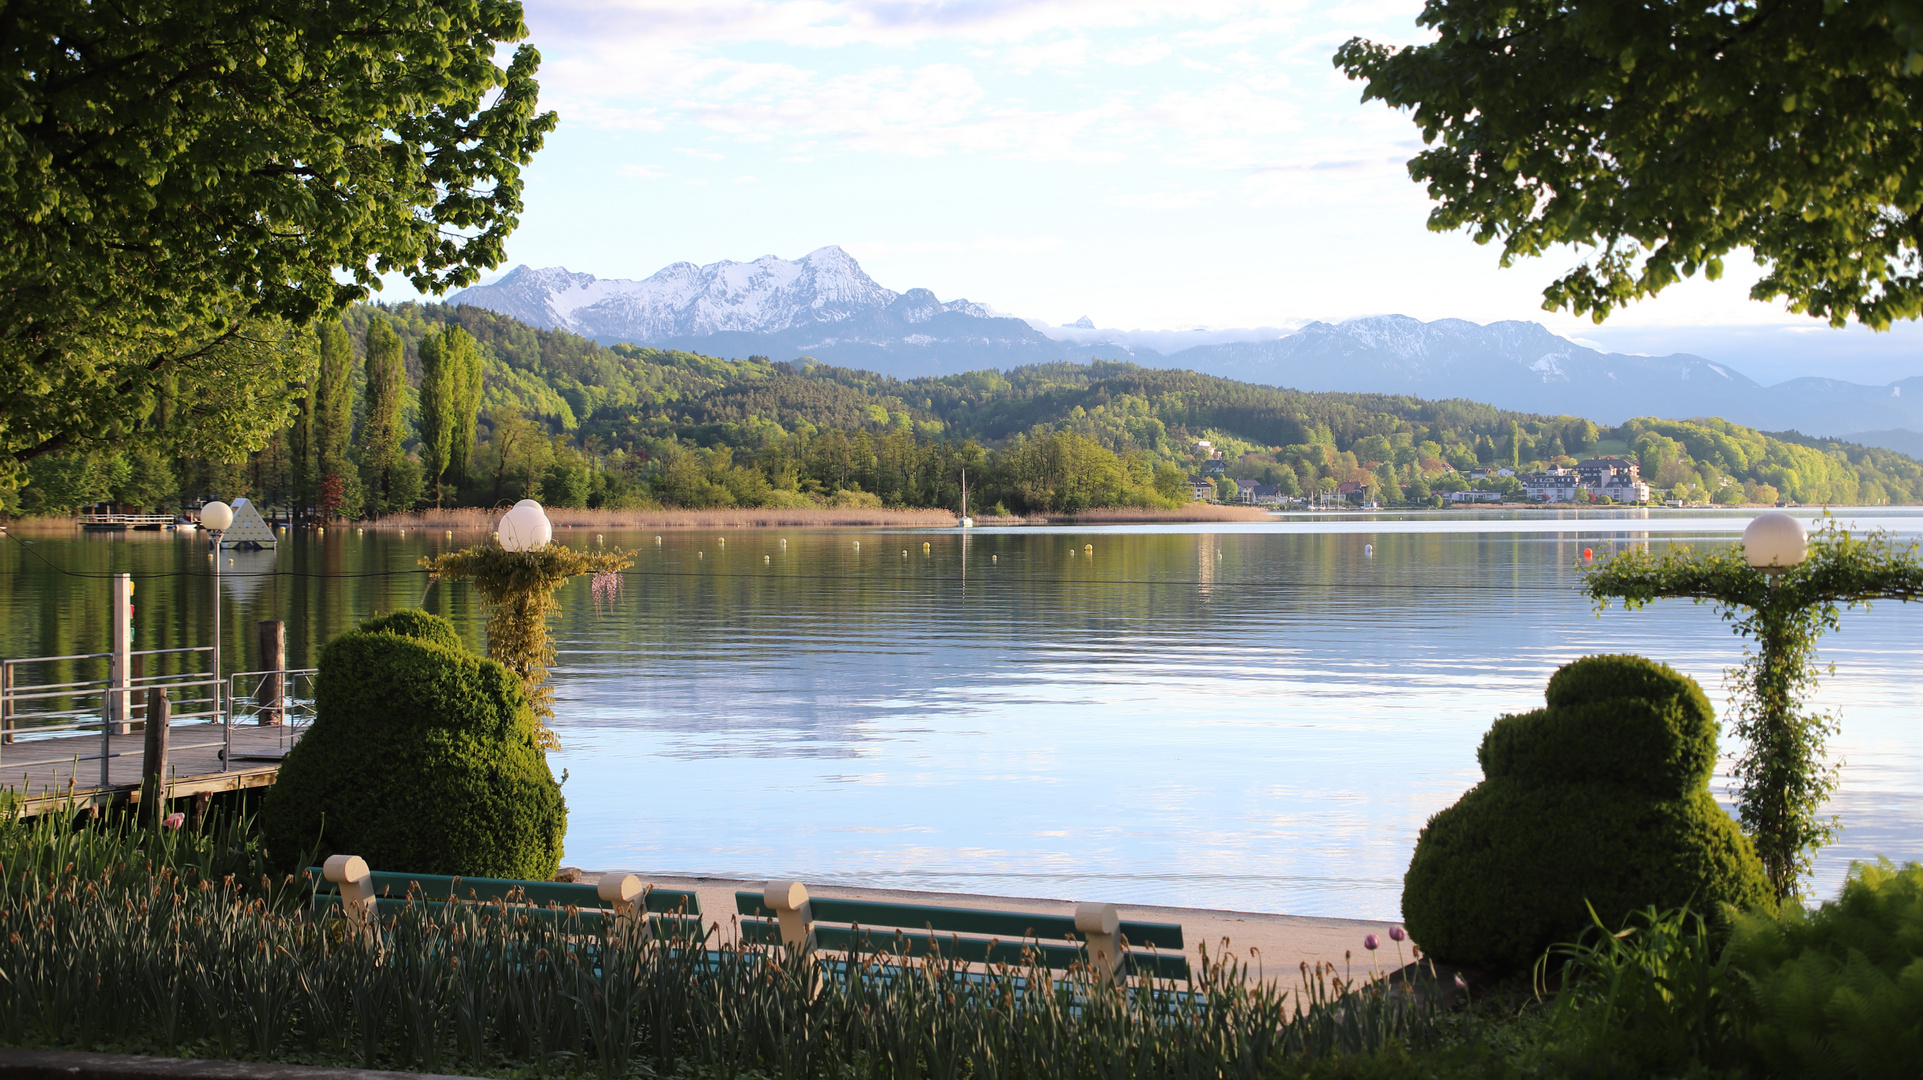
(336, 489)
(450, 384)
(380, 442)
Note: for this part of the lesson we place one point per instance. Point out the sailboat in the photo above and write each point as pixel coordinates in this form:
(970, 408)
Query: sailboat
(966, 521)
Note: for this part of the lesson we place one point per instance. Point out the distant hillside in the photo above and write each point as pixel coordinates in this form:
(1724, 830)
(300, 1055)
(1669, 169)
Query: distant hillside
(825, 307)
(627, 396)
(577, 423)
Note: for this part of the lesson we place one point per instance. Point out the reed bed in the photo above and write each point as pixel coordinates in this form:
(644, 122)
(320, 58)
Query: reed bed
(150, 958)
(1125, 515)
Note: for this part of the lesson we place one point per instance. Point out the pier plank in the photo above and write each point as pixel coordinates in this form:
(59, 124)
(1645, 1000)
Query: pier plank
(47, 776)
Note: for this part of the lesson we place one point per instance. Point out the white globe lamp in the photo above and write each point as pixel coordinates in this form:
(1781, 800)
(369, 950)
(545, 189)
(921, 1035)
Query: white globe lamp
(1775, 542)
(525, 527)
(216, 516)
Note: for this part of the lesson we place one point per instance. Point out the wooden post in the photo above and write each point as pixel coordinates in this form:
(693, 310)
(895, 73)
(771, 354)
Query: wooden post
(153, 759)
(271, 696)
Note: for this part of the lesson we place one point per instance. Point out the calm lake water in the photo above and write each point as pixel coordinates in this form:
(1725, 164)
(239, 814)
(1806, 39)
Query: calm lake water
(1251, 716)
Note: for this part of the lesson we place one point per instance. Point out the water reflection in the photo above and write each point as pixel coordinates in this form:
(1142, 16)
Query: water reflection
(1249, 715)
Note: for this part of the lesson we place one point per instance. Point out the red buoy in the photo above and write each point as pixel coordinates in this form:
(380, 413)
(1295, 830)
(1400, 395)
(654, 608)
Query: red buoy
(1588, 554)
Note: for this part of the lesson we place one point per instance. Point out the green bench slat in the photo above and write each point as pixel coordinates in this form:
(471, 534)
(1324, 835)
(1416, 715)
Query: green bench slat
(664, 926)
(998, 937)
(540, 894)
(1004, 924)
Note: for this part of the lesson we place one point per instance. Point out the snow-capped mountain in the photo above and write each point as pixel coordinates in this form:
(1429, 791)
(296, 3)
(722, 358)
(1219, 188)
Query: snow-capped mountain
(825, 306)
(682, 300)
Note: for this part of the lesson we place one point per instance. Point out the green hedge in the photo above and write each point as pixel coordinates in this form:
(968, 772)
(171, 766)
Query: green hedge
(1599, 799)
(421, 757)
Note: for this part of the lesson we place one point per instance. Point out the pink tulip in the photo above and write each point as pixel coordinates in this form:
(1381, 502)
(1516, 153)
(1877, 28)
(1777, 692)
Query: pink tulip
(174, 820)
(1397, 933)
(1371, 942)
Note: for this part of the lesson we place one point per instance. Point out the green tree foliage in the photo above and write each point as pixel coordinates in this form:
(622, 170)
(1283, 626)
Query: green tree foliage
(182, 184)
(561, 418)
(449, 397)
(1782, 779)
(1600, 801)
(381, 430)
(422, 756)
(1669, 136)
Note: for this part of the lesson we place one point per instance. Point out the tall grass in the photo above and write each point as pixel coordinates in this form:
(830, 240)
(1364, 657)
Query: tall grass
(175, 962)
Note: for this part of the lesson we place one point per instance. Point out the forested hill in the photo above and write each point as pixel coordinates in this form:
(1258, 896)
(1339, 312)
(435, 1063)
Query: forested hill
(570, 421)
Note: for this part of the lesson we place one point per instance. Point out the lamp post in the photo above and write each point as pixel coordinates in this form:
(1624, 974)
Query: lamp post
(525, 527)
(1773, 543)
(215, 517)
(1781, 590)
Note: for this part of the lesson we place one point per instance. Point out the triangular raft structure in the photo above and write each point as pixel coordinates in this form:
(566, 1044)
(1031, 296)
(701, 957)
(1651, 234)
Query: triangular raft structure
(248, 529)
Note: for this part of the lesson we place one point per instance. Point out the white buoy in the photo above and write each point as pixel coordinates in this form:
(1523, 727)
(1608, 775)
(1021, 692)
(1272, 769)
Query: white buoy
(994, 558)
(657, 541)
(700, 554)
(1368, 551)
(767, 558)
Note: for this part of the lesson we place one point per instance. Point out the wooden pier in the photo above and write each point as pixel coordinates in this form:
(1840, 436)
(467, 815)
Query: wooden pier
(193, 768)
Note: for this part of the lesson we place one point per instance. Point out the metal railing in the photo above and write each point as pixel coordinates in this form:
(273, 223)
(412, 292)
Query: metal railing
(39, 712)
(283, 700)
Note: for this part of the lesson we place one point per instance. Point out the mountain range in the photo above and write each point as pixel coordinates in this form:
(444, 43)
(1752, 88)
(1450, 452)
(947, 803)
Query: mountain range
(825, 306)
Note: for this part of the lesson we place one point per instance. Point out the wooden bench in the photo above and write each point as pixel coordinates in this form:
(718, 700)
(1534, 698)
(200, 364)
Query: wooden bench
(346, 884)
(784, 914)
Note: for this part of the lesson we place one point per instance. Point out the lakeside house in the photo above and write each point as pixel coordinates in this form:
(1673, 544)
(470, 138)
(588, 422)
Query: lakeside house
(1557, 485)
(1201, 488)
(1613, 478)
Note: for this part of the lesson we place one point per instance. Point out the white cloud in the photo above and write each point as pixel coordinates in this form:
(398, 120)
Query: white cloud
(1008, 245)
(642, 172)
(894, 23)
(1165, 200)
(705, 155)
(1055, 55)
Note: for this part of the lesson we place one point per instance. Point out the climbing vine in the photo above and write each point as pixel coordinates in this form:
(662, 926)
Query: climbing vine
(518, 588)
(1783, 778)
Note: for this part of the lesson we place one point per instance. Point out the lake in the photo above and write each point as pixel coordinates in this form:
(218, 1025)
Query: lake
(1251, 716)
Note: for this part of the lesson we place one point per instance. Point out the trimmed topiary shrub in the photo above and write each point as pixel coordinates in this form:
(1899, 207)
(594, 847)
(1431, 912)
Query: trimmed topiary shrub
(421, 758)
(1601, 799)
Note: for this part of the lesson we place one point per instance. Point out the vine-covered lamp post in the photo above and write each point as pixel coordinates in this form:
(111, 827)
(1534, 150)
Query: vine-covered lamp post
(1783, 588)
(517, 573)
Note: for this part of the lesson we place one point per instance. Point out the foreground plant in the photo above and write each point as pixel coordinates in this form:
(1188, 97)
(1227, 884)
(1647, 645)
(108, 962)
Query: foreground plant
(1782, 778)
(170, 966)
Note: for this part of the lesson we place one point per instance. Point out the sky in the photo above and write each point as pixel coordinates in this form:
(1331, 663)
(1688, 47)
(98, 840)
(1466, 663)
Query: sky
(1151, 164)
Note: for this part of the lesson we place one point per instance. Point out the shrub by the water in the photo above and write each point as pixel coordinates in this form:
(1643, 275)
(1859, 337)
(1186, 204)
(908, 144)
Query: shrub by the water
(421, 757)
(1599, 800)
